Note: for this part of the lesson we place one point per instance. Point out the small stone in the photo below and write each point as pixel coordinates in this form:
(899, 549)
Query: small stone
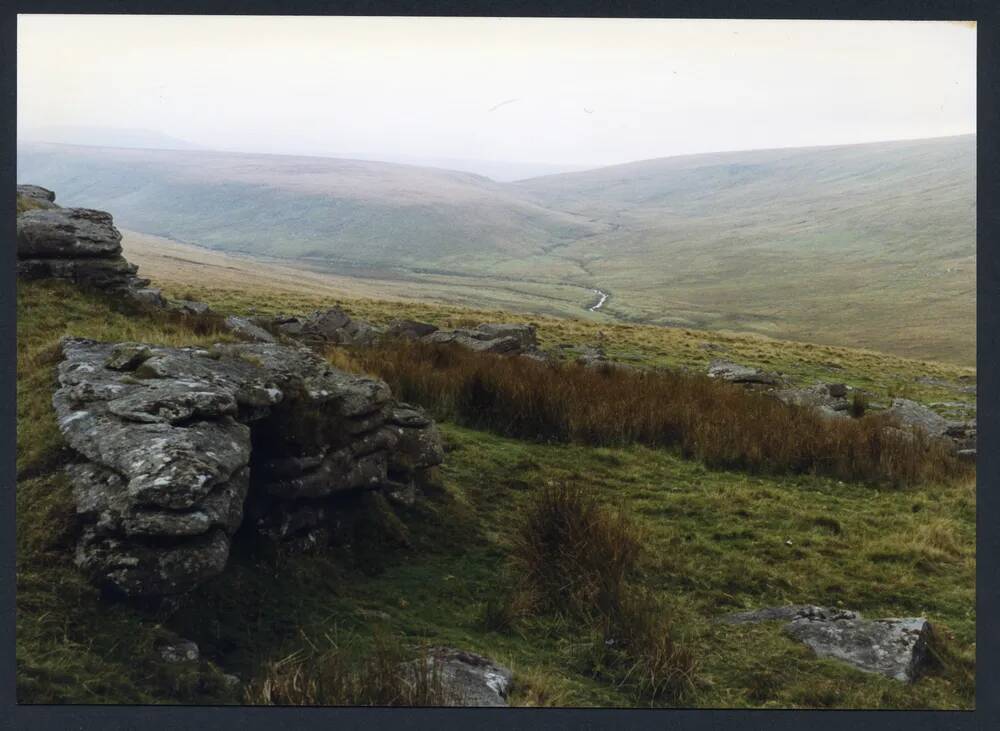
(180, 651)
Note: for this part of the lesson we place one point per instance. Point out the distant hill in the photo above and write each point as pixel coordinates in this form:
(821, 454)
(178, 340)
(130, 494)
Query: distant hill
(105, 137)
(863, 245)
(341, 210)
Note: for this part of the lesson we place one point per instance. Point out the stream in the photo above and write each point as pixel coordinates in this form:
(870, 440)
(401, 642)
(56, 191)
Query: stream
(602, 298)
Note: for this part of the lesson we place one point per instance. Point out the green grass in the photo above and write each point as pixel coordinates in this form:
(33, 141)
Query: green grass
(714, 542)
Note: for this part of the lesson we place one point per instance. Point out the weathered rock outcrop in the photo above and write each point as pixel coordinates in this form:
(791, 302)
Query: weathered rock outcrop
(247, 329)
(896, 648)
(177, 444)
(829, 399)
(76, 244)
(911, 415)
(505, 338)
(41, 197)
(735, 373)
(412, 329)
(332, 326)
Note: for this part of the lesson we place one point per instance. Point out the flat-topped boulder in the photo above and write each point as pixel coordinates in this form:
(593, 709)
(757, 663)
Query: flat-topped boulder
(80, 245)
(69, 233)
(726, 370)
(175, 445)
(894, 647)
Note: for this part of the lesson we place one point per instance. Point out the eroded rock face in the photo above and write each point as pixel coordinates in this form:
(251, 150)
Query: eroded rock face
(175, 443)
(896, 648)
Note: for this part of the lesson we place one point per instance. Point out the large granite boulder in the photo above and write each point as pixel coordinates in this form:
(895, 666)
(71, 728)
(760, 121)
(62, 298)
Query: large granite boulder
(67, 233)
(76, 244)
(896, 648)
(176, 445)
(913, 415)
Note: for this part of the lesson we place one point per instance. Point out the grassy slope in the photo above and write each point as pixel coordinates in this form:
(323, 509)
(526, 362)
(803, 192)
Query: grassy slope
(866, 245)
(718, 541)
(245, 286)
(863, 245)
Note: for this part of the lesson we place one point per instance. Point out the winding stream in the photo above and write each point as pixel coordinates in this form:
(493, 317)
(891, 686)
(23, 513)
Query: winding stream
(602, 298)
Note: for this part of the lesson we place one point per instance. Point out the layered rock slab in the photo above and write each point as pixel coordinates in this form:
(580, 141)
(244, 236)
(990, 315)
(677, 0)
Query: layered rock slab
(175, 443)
(77, 244)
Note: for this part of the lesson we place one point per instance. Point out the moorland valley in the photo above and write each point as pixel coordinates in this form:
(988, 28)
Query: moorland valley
(697, 431)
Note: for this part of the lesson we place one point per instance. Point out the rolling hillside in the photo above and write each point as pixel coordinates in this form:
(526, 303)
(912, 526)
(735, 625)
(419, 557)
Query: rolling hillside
(339, 210)
(861, 245)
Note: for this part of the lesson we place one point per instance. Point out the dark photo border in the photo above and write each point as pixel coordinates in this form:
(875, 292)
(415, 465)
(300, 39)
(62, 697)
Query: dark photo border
(987, 713)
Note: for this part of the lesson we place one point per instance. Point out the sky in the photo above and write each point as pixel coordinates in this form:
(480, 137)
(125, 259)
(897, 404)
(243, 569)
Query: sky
(570, 93)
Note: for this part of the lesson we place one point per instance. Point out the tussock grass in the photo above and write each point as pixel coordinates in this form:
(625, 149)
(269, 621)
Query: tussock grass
(575, 557)
(718, 423)
(574, 554)
(388, 675)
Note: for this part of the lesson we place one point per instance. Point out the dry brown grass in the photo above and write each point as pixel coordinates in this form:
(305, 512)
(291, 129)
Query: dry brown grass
(386, 676)
(720, 424)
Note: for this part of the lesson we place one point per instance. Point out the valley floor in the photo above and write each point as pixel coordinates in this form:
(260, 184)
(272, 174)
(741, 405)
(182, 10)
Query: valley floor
(850, 312)
(716, 542)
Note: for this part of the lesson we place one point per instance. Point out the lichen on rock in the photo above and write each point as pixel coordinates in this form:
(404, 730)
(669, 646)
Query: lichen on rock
(174, 444)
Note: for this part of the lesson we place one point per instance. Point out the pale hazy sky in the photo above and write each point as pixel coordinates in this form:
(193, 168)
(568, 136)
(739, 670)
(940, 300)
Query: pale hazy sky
(572, 92)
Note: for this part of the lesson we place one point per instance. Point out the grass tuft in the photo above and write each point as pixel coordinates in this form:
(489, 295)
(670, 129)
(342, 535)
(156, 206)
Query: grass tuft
(388, 675)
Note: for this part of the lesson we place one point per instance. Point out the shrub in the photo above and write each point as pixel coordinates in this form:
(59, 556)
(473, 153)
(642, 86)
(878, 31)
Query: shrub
(718, 423)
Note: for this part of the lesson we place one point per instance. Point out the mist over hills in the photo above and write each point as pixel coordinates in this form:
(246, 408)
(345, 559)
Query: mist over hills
(867, 245)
